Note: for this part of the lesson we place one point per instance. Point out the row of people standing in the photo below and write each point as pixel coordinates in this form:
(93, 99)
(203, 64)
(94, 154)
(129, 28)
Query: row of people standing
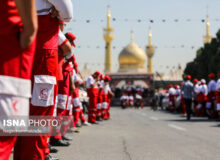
(128, 99)
(197, 97)
(99, 93)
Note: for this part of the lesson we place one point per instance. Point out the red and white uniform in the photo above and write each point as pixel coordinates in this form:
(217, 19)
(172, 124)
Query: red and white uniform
(124, 97)
(100, 99)
(218, 95)
(202, 96)
(211, 94)
(92, 91)
(105, 104)
(15, 71)
(45, 72)
(76, 101)
(131, 100)
(172, 93)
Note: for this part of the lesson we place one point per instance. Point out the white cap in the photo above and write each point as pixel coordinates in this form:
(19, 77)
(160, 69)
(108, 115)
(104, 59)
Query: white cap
(203, 81)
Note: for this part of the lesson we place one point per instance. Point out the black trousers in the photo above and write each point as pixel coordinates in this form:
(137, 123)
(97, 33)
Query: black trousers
(188, 103)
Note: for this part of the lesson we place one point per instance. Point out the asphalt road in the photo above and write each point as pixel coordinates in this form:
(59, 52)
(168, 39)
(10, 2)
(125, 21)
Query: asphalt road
(143, 134)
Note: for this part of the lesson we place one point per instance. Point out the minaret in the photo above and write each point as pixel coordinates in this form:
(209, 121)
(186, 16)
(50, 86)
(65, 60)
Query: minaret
(208, 37)
(108, 37)
(150, 52)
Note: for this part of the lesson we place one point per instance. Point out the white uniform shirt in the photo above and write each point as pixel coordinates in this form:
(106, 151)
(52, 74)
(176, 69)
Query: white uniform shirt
(131, 98)
(64, 8)
(107, 89)
(212, 86)
(172, 91)
(196, 88)
(203, 89)
(138, 96)
(61, 38)
(178, 92)
(90, 81)
(124, 97)
(218, 85)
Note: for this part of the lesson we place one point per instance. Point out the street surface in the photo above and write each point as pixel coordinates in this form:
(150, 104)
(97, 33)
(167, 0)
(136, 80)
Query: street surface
(143, 134)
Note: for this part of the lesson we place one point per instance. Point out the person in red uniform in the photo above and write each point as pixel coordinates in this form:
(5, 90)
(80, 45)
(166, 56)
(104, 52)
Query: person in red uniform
(68, 115)
(44, 74)
(92, 91)
(76, 101)
(110, 95)
(65, 48)
(210, 104)
(100, 98)
(202, 98)
(195, 96)
(18, 28)
(218, 95)
(63, 94)
(172, 92)
(106, 98)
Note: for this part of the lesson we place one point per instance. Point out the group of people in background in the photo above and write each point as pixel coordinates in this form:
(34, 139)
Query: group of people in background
(129, 100)
(38, 63)
(195, 96)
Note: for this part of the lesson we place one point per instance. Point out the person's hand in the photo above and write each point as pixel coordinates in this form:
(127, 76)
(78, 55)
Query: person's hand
(54, 13)
(26, 38)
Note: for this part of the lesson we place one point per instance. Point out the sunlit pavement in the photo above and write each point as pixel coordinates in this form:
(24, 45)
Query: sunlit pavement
(143, 134)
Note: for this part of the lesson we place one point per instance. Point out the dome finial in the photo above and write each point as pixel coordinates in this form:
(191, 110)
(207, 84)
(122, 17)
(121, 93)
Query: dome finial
(132, 36)
(108, 17)
(149, 37)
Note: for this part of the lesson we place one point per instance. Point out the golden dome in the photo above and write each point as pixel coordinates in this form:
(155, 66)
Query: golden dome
(132, 58)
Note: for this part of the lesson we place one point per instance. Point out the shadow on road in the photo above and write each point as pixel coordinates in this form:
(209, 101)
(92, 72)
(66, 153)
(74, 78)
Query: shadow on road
(192, 120)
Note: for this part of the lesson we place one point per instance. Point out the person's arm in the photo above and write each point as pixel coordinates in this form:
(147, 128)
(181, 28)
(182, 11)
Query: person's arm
(27, 12)
(72, 86)
(66, 48)
(64, 45)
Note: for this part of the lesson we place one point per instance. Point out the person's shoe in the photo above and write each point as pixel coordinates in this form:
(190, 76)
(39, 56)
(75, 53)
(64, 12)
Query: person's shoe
(76, 130)
(94, 122)
(86, 124)
(78, 125)
(70, 130)
(51, 158)
(66, 138)
(52, 150)
(59, 142)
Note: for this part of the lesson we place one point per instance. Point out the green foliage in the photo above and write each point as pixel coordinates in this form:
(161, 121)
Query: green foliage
(207, 60)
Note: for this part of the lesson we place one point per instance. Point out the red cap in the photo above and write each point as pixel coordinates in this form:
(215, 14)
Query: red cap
(211, 75)
(107, 78)
(188, 77)
(219, 73)
(181, 84)
(195, 80)
(71, 37)
(97, 73)
(170, 86)
(176, 86)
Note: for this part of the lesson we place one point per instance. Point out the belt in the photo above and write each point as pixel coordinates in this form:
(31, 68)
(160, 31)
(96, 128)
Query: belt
(44, 10)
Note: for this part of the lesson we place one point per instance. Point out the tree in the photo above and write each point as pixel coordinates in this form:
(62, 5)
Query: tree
(206, 61)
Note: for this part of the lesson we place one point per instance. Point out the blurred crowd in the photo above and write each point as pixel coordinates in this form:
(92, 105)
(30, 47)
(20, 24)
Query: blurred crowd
(195, 97)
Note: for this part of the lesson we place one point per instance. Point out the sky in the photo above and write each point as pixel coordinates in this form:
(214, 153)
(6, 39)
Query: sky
(168, 36)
